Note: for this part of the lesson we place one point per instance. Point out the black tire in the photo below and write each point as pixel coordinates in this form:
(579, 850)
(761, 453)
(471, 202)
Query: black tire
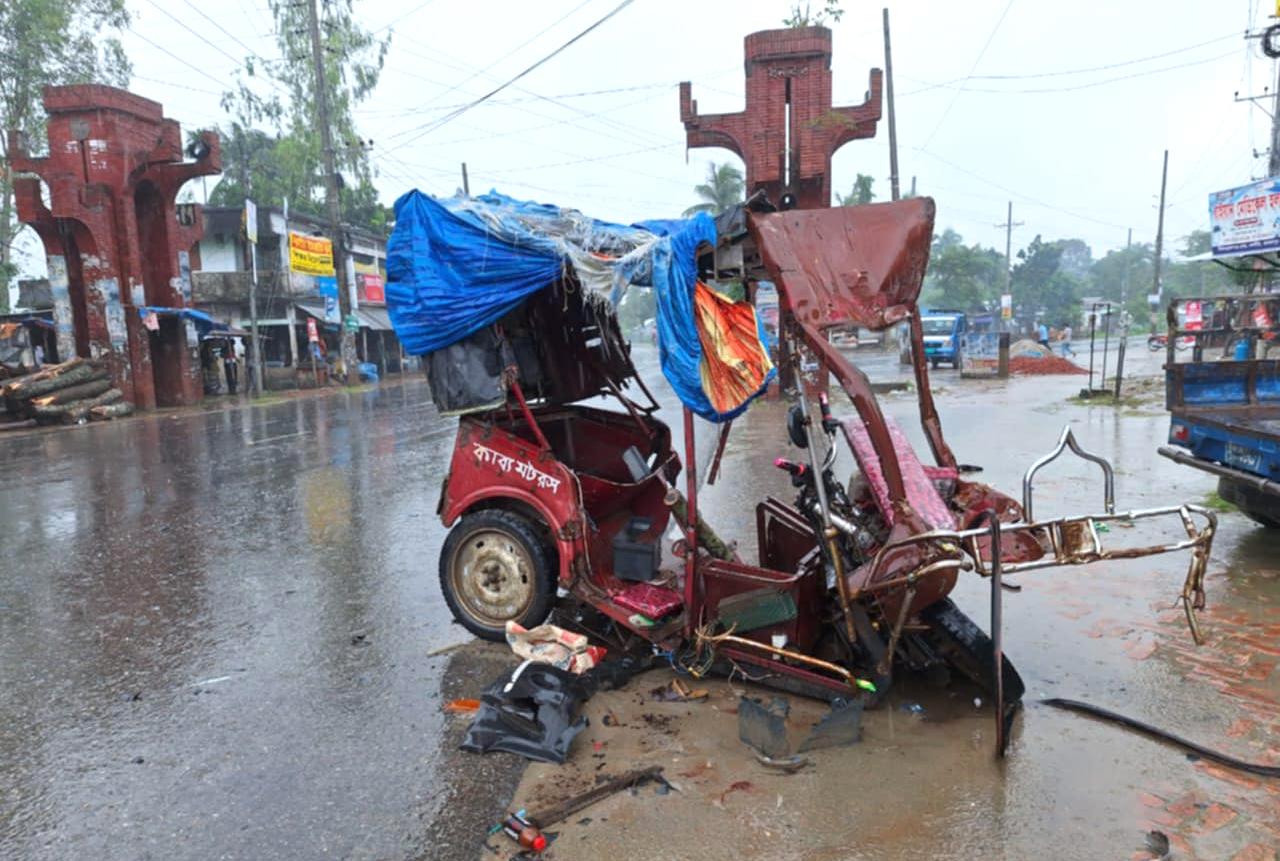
(1259, 507)
(933, 363)
(494, 568)
(968, 649)
(955, 363)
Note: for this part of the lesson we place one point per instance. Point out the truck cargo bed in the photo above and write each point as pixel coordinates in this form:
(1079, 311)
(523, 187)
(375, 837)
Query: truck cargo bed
(1262, 420)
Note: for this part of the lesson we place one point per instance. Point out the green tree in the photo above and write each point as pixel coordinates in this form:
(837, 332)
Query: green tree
(861, 194)
(724, 188)
(266, 167)
(45, 42)
(804, 16)
(1077, 257)
(290, 163)
(945, 240)
(961, 276)
(1126, 272)
(1040, 284)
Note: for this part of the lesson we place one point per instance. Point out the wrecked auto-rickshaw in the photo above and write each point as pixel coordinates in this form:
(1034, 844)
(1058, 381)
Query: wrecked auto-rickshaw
(513, 306)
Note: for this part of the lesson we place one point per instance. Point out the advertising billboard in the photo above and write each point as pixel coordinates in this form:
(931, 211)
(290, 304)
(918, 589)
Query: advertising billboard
(310, 255)
(1246, 220)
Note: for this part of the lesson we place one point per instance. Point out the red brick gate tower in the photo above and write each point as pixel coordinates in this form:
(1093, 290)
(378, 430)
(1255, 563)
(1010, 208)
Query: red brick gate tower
(114, 237)
(789, 130)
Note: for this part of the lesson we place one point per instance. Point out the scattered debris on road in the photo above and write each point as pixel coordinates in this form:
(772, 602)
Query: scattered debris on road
(526, 829)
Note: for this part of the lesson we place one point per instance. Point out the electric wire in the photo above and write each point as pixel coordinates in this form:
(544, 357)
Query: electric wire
(415, 10)
(185, 63)
(511, 52)
(225, 31)
(1235, 34)
(630, 138)
(430, 127)
(985, 45)
(1024, 197)
(236, 61)
(1091, 84)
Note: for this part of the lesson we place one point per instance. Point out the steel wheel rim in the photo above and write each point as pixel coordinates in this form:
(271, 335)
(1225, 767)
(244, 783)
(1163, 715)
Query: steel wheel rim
(493, 577)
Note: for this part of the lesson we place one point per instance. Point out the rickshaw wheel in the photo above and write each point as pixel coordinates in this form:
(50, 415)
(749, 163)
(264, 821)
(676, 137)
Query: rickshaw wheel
(494, 569)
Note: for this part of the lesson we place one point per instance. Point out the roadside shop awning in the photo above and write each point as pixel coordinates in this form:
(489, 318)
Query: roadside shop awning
(370, 317)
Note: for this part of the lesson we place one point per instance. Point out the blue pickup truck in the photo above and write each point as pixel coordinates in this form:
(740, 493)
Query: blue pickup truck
(942, 331)
(1224, 402)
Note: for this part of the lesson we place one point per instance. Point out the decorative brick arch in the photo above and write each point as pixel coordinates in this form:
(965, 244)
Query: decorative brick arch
(786, 67)
(111, 249)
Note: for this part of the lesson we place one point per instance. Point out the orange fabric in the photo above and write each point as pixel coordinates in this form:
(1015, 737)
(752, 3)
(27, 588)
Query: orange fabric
(734, 362)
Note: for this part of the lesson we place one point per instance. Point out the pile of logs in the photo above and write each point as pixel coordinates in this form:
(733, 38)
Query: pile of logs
(70, 393)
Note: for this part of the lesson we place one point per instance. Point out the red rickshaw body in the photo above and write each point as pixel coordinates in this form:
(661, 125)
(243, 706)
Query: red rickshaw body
(848, 581)
(577, 484)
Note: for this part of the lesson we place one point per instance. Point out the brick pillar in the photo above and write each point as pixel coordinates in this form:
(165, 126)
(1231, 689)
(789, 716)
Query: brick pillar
(788, 68)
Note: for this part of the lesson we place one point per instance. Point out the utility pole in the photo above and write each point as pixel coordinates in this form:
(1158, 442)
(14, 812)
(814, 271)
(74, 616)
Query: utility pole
(893, 122)
(251, 233)
(1164, 179)
(1273, 163)
(1124, 320)
(346, 336)
(466, 185)
(1264, 37)
(1008, 226)
(1124, 282)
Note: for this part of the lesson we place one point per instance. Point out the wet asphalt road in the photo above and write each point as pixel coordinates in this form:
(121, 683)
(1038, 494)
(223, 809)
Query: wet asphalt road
(214, 637)
(213, 633)
(215, 627)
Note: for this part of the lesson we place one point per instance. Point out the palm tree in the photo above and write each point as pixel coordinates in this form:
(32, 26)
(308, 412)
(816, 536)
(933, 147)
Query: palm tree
(724, 187)
(861, 194)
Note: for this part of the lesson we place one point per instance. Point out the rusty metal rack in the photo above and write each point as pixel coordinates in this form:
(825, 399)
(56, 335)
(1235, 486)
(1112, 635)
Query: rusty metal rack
(1064, 540)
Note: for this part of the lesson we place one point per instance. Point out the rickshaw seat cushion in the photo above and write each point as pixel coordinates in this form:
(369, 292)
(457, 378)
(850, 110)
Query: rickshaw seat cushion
(917, 479)
(652, 601)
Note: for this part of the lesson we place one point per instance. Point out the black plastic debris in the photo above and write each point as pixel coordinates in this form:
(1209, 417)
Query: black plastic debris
(532, 712)
(839, 727)
(764, 727)
(1158, 845)
(616, 672)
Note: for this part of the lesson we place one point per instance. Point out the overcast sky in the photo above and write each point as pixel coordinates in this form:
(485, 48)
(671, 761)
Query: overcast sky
(992, 102)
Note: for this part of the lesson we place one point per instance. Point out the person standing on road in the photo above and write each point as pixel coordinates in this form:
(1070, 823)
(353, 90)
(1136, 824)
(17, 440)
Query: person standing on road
(1066, 341)
(229, 368)
(1042, 335)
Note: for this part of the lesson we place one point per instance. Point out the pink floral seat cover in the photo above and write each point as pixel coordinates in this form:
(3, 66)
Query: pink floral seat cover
(917, 478)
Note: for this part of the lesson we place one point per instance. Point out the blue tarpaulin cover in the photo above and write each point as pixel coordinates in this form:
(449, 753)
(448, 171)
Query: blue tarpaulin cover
(459, 264)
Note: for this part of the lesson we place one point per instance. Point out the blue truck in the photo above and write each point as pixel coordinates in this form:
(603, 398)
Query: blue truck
(942, 331)
(1224, 401)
